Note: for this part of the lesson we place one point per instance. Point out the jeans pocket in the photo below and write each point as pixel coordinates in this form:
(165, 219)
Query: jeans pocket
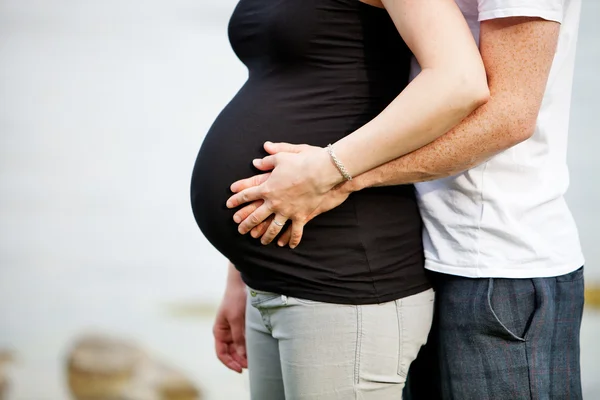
(415, 316)
(304, 301)
(512, 305)
(258, 297)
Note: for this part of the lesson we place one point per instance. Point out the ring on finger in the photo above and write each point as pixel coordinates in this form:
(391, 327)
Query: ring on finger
(278, 223)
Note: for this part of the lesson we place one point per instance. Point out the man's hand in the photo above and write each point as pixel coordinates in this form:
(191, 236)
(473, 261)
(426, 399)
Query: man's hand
(230, 324)
(298, 183)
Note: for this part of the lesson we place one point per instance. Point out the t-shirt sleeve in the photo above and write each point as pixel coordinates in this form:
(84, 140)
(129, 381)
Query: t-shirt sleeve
(551, 10)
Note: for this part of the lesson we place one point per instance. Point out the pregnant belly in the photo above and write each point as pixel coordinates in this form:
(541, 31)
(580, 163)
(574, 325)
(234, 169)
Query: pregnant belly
(237, 137)
(370, 236)
(226, 156)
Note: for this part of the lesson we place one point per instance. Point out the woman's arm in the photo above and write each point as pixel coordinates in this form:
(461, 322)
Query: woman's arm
(451, 85)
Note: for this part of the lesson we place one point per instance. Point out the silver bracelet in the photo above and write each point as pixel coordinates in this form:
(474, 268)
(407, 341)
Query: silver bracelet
(338, 163)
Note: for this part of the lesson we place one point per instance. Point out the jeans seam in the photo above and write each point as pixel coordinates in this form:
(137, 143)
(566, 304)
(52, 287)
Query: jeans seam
(359, 335)
(257, 302)
(529, 372)
(266, 319)
(306, 301)
(399, 369)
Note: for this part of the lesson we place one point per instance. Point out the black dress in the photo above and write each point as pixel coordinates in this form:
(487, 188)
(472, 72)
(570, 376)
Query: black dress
(318, 70)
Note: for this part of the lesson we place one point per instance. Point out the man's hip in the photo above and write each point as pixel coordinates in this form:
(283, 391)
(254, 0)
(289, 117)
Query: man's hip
(496, 339)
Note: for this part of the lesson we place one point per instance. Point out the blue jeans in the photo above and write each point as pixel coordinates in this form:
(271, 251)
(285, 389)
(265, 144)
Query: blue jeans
(497, 339)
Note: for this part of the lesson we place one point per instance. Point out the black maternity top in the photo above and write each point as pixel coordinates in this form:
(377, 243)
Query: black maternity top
(318, 70)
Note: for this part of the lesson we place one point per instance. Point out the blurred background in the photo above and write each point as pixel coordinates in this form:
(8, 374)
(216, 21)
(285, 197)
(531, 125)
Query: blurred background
(103, 106)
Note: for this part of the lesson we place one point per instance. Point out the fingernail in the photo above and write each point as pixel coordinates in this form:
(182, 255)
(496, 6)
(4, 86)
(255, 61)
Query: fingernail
(257, 162)
(228, 204)
(280, 244)
(254, 234)
(268, 142)
(292, 246)
(237, 219)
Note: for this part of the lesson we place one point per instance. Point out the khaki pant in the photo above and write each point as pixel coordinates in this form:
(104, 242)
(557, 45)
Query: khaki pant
(306, 350)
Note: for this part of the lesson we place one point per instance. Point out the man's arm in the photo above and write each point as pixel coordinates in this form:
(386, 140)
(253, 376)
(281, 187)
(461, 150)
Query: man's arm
(518, 54)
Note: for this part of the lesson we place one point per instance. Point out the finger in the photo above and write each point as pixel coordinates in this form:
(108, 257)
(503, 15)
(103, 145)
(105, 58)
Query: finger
(223, 338)
(285, 238)
(260, 230)
(274, 148)
(273, 230)
(238, 327)
(241, 361)
(297, 229)
(263, 212)
(266, 163)
(243, 197)
(242, 214)
(224, 355)
(236, 357)
(242, 184)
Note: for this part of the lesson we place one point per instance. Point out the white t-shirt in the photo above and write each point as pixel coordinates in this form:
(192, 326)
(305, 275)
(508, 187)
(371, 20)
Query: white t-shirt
(508, 217)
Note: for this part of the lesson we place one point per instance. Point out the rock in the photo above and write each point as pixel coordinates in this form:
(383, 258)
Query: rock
(174, 386)
(103, 368)
(5, 358)
(157, 381)
(592, 295)
(100, 367)
(3, 387)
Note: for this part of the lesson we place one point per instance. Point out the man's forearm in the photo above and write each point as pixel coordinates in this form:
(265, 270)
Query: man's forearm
(486, 132)
(518, 54)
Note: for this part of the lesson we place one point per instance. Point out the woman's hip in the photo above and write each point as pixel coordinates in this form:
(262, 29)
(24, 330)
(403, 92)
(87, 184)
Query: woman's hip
(332, 348)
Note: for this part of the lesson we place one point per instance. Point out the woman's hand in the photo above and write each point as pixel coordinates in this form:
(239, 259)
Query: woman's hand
(332, 199)
(230, 324)
(298, 184)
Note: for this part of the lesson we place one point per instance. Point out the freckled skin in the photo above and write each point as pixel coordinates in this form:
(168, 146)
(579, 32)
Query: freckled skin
(518, 54)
